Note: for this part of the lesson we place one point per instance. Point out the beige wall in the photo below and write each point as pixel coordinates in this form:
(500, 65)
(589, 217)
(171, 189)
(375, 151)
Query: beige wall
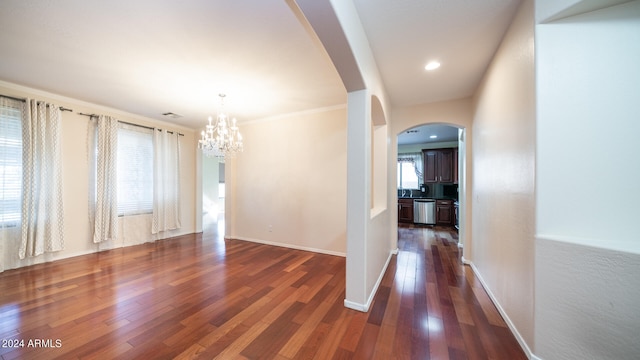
(457, 113)
(290, 182)
(77, 230)
(587, 246)
(503, 187)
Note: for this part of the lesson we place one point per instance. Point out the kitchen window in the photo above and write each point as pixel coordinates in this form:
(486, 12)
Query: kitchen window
(409, 171)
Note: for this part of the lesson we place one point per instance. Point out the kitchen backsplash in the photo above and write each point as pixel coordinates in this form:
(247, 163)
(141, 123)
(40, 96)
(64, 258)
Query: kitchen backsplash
(436, 191)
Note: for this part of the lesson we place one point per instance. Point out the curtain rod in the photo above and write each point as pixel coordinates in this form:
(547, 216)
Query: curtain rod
(89, 115)
(132, 124)
(62, 108)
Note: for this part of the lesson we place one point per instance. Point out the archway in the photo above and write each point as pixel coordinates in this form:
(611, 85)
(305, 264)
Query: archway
(430, 136)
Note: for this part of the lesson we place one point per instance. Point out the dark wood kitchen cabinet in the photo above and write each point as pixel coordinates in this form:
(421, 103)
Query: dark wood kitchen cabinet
(438, 165)
(405, 210)
(455, 165)
(445, 165)
(444, 212)
(430, 166)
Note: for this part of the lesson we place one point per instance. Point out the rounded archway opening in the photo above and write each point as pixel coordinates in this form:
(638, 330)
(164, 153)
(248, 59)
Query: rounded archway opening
(419, 174)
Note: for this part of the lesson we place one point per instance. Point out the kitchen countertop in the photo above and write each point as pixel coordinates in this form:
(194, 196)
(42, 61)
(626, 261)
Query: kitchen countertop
(428, 197)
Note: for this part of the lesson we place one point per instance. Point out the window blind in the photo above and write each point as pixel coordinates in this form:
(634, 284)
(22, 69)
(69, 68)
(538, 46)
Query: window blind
(10, 161)
(135, 170)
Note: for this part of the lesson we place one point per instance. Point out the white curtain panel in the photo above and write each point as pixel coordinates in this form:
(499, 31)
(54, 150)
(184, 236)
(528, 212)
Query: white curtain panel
(42, 211)
(106, 211)
(166, 182)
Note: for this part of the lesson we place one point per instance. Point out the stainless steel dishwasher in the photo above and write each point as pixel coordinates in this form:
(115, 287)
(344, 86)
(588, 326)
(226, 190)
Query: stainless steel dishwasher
(424, 211)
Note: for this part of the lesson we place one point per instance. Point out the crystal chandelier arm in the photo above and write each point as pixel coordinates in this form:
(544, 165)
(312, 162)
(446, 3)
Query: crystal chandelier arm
(221, 138)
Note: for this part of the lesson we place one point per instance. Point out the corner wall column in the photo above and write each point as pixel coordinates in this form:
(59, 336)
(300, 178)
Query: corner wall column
(358, 199)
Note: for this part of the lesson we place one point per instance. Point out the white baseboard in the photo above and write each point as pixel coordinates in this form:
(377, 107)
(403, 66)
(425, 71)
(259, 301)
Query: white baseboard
(512, 327)
(355, 306)
(365, 307)
(290, 246)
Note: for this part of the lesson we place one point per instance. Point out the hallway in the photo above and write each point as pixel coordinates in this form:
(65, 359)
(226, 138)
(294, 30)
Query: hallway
(439, 301)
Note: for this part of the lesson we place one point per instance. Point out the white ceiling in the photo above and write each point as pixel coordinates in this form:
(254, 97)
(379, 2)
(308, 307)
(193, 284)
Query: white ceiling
(149, 57)
(423, 134)
(462, 35)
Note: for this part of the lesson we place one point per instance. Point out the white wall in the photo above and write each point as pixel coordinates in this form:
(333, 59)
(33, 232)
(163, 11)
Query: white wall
(338, 27)
(368, 228)
(379, 156)
(503, 193)
(550, 10)
(588, 249)
(210, 187)
(588, 79)
(289, 184)
(77, 231)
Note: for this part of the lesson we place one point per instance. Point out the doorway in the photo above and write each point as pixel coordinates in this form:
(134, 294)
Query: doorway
(415, 181)
(213, 196)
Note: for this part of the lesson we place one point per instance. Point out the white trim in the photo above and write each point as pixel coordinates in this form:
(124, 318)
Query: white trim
(30, 92)
(611, 244)
(355, 306)
(96, 249)
(297, 114)
(512, 327)
(365, 307)
(290, 246)
(376, 211)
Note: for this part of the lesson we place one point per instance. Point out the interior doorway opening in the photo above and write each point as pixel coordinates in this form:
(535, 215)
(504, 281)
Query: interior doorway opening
(213, 197)
(431, 165)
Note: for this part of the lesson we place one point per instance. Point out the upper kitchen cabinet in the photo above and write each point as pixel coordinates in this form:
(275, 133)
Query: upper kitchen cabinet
(438, 165)
(455, 166)
(430, 167)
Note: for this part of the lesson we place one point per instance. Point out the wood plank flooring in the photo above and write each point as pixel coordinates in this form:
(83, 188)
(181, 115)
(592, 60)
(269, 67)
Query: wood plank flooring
(201, 297)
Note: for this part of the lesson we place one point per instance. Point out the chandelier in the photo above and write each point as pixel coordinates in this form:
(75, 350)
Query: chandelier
(222, 138)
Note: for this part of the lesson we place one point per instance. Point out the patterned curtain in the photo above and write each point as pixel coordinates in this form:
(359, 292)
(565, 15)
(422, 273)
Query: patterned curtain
(106, 210)
(166, 182)
(42, 211)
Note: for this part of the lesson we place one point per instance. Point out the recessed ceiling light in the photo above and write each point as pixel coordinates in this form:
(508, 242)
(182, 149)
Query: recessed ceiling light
(432, 65)
(433, 137)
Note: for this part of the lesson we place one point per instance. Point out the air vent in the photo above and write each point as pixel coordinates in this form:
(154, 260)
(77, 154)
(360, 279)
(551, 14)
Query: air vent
(412, 131)
(172, 115)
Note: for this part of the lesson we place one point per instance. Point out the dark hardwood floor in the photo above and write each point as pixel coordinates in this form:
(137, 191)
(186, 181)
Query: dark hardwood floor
(199, 296)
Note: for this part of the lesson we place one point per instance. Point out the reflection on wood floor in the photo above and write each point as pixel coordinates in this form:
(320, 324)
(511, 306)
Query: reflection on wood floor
(199, 296)
(444, 299)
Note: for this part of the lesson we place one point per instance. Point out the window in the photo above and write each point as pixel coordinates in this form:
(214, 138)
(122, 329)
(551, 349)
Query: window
(10, 161)
(135, 170)
(407, 178)
(409, 171)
